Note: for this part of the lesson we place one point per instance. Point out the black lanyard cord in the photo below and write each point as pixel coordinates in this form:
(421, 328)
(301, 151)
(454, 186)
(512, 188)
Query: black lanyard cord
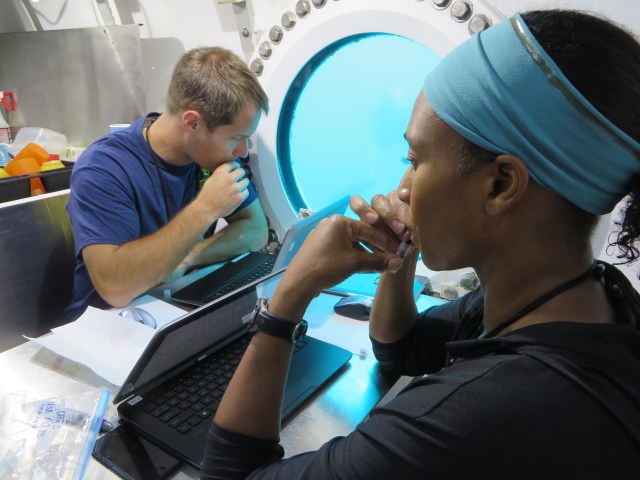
(593, 269)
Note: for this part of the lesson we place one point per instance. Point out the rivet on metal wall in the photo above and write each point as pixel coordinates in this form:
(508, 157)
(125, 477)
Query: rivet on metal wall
(264, 50)
(441, 4)
(478, 23)
(319, 3)
(288, 20)
(276, 34)
(461, 11)
(257, 67)
(303, 7)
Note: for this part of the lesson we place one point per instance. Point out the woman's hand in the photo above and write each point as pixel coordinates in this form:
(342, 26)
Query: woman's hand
(331, 253)
(388, 213)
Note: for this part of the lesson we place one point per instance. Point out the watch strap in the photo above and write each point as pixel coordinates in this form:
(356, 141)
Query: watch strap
(264, 321)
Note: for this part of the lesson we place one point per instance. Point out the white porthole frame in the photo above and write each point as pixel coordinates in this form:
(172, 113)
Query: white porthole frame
(323, 26)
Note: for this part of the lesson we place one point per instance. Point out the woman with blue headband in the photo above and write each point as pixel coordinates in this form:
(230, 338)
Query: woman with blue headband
(520, 139)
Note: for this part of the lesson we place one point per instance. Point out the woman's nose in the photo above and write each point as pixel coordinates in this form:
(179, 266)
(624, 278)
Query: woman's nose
(404, 188)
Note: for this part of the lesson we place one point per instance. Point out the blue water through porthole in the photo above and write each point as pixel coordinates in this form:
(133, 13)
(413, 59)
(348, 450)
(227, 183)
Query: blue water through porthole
(342, 122)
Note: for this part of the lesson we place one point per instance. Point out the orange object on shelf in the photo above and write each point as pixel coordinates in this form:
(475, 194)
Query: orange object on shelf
(27, 165)
(34, 151)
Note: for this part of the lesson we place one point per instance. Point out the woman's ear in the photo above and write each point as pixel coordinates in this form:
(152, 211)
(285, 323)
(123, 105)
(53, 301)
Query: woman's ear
(509, 182)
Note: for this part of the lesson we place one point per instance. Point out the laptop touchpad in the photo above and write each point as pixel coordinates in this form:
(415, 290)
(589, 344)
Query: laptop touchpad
(296, 389)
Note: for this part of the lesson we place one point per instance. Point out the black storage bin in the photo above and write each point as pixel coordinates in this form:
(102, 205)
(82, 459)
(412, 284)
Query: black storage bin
(14, 188)
(56, 180)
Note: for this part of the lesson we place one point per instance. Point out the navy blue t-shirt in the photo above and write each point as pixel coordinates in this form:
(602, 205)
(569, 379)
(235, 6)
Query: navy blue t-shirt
(117, 196)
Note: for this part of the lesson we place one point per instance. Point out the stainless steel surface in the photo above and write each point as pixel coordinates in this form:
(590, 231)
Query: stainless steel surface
(338, 408)
(74, 81)
(335, 410)
(36, 266)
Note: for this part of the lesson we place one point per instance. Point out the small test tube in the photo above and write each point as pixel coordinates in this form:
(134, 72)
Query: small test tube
(404, 246)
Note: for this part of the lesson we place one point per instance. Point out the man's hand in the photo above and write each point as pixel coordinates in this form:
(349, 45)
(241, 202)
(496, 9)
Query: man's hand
(224, 190)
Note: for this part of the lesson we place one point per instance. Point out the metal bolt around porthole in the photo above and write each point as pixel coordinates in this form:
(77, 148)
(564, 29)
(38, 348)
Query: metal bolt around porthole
(461, 11)
(257, 67)
(319, 3)
(264, 50)
(288, 20)
(441, 4)
(303, 7)
(479, 23)
(275, 34)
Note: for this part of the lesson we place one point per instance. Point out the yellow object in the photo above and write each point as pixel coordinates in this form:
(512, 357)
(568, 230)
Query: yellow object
(3, 173)
(51, 165)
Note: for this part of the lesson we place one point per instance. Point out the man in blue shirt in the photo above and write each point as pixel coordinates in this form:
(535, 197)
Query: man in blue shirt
(141, 210)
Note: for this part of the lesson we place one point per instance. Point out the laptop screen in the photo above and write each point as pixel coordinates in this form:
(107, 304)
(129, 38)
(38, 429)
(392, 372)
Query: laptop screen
(299, 231)
(193, 336)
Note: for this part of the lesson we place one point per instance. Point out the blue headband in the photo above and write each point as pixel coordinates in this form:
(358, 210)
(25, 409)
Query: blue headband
(501, 91)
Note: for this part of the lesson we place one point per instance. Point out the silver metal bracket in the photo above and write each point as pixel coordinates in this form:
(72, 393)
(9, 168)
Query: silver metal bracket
(244, 15)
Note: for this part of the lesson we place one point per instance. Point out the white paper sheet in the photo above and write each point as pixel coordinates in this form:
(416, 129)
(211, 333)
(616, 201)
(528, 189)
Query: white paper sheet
(106, 342)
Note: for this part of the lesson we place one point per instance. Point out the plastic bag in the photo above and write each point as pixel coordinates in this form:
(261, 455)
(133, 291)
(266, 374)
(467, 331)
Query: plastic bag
(51, 438)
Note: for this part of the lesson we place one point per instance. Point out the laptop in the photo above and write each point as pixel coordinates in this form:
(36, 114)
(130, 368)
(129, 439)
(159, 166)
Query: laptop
(255, 265)
(171, 394)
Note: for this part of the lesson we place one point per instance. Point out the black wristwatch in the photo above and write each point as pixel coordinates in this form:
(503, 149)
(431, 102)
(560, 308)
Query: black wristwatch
(262, 321)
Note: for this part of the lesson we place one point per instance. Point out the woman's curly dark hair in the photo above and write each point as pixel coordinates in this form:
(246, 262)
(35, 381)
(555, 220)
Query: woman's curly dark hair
(629, 227)
(602, 60)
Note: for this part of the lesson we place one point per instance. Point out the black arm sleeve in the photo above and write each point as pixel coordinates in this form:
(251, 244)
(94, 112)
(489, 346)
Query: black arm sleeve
(231, 455)
(423, 349)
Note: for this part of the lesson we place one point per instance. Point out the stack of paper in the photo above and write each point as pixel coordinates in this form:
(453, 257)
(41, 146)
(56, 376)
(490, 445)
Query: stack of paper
(106, 342)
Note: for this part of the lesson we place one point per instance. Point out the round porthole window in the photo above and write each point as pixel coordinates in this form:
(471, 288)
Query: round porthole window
(342, 122)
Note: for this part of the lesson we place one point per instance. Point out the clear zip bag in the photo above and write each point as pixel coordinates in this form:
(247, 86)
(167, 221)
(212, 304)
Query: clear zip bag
(49, 439)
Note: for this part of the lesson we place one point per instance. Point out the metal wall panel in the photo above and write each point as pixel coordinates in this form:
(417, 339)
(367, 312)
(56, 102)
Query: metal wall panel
(36, 266)
(75, 81)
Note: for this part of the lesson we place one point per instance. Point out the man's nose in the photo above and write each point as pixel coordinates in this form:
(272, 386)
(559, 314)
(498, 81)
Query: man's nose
(241, 150)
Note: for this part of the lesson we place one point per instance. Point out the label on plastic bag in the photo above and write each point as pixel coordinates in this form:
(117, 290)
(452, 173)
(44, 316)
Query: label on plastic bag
(50, 438)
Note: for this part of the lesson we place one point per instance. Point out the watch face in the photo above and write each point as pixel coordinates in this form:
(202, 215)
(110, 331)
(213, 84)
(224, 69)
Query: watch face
(252, 325)
(300, 330)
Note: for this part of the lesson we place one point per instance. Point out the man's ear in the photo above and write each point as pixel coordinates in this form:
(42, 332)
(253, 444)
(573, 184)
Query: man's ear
(191, 120)
(509, 182)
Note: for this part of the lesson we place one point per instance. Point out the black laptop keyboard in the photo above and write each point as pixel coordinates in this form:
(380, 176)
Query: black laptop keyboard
(194, 396)
(263, 270)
